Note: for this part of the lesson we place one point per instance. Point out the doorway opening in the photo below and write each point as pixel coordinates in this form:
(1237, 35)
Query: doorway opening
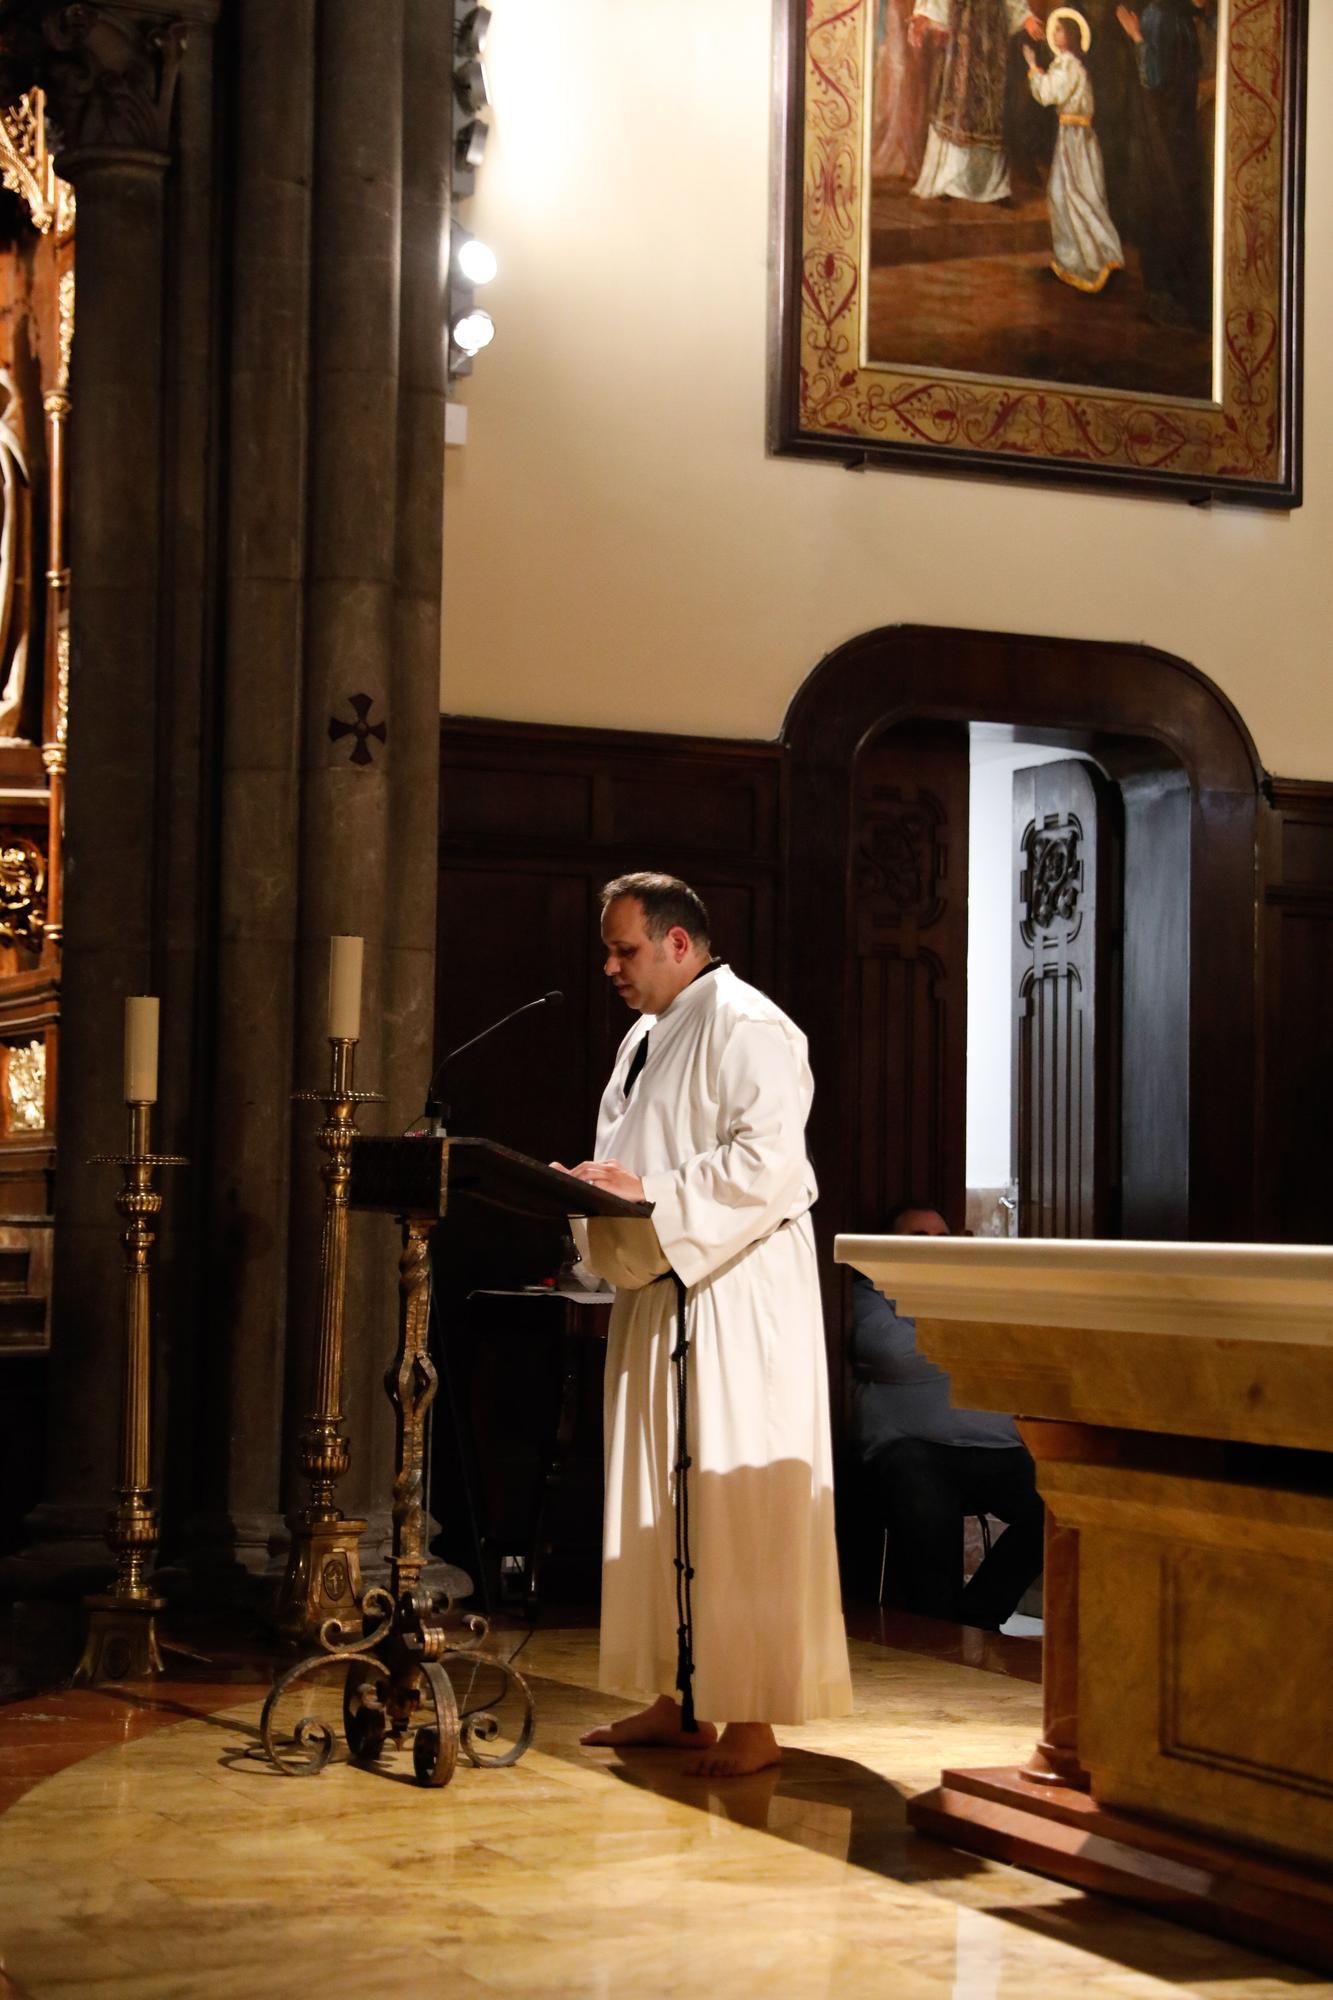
(1016, 911)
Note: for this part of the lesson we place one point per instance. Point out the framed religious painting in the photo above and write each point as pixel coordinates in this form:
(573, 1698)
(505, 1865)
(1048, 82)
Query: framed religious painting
(1057, 242)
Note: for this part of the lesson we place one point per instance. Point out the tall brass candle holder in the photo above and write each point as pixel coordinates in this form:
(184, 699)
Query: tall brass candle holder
(401, 1671)
(122, 1622)
(323, 1575)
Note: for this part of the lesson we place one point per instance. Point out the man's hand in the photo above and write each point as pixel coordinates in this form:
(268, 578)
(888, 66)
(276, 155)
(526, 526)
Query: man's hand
(608, 1175)
(919, 27)
(1129, 21)
(1033, 28)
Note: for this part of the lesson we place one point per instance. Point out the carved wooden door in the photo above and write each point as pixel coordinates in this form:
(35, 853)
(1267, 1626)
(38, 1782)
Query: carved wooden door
(905, 1057)
(1066, 1001)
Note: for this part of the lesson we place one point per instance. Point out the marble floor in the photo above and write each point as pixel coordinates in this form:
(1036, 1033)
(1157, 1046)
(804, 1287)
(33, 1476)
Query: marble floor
(165, 1861)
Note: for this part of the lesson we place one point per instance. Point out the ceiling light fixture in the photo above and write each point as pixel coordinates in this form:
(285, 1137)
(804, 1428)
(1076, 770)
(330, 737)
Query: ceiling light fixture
(474, 24)
(475, 330)
(476, 260)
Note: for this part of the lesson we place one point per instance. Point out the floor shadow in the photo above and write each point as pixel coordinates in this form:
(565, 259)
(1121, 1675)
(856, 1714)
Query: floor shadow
(837, 1807)
(1154, 1946)
(183, 1711)
(253, 1761)
(829, 1804)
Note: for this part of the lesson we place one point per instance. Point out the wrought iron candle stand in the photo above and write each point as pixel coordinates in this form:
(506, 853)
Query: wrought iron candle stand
(122, 1642)
(399, 1670)
(323, 1575)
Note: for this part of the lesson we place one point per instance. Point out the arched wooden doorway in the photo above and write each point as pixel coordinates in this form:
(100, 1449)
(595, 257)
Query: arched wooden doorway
(1139, 712)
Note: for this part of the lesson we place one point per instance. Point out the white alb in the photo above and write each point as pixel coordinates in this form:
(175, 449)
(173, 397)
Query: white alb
(715, 1127)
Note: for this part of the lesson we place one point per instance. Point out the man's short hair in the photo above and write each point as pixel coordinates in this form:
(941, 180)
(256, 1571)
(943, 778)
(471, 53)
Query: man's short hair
(666, 902)
(909, 1208)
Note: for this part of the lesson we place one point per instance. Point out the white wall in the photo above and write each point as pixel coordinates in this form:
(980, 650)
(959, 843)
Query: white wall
(619, 549)
(990, 849)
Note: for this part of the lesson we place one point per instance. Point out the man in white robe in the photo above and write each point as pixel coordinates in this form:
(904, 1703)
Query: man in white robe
(709, 1126)
(965, 157)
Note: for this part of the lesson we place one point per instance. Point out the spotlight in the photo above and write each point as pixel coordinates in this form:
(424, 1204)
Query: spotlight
(471, 262)
(472, 30)
(475, 259)
(470, 144)
(471, 87)
(475, 330)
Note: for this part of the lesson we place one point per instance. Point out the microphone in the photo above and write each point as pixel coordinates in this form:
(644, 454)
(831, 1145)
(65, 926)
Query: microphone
(435, 1113)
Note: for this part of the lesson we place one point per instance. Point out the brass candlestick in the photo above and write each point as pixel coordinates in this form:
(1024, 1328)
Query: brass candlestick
(323, 1575)
(400, 1674)
(122, 1629)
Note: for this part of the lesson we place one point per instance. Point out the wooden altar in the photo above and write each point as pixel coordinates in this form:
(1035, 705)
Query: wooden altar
(1179, 1401)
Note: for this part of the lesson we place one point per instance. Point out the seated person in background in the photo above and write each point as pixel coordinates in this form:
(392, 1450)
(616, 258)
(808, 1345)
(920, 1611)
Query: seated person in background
(932, 1464)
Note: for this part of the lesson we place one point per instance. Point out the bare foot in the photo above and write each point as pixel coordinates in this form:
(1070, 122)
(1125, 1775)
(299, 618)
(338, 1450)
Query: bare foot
(745, 1747)
(655, 1728)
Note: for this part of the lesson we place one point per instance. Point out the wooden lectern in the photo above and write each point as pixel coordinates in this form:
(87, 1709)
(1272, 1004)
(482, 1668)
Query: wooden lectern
(1178, 1400)
(396, 1680)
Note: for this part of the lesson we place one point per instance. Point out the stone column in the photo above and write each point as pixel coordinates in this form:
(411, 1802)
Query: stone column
(409, 1009)
(187, 781)
(237, 1526)
(351, 732)
(111, 74)
(414, 801)
(255, 522)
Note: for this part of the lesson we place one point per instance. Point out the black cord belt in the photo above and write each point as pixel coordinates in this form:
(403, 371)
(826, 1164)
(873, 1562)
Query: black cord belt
(680, 1360)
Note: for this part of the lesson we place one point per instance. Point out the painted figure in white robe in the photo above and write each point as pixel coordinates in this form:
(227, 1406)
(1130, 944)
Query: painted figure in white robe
(711, 1130)
(965, 156)
(1085, 240)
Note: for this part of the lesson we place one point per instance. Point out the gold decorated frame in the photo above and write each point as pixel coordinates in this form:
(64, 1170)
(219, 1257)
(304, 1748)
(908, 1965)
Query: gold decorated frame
(827, 402)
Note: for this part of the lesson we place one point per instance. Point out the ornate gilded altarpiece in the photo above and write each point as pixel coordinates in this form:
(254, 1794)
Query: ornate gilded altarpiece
(36, 338)
(917, 328)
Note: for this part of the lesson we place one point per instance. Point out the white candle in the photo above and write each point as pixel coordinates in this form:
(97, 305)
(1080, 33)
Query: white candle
(345, 955)
(141, 1011)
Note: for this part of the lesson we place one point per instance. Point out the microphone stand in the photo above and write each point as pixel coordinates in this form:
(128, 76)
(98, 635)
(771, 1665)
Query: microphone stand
(435, 1114)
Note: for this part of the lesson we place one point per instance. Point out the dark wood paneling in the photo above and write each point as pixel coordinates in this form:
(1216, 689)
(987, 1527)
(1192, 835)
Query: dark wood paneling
(1298, 1013)
(1155, 1080)
(552, 805)
(508, 934)
(903, 1059)
(1307, 851)
(533, 821)
(24, 1414)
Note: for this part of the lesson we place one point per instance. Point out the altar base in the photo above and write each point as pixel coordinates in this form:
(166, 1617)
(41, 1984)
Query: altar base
(1271, 1904)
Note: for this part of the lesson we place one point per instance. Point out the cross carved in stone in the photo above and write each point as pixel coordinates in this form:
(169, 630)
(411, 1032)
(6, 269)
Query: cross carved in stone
(363, 730)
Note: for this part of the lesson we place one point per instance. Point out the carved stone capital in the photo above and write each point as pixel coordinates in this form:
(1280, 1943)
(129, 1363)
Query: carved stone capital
(110, 75)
